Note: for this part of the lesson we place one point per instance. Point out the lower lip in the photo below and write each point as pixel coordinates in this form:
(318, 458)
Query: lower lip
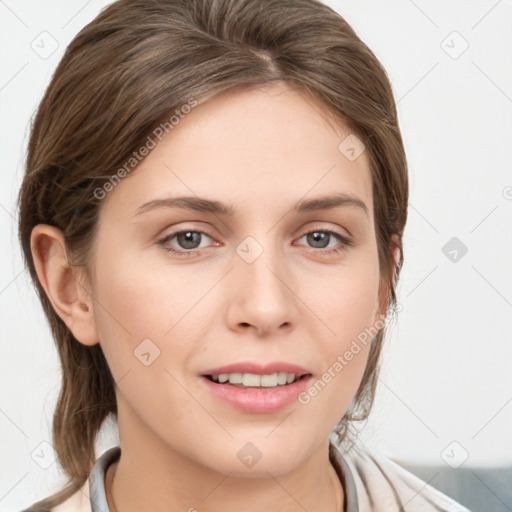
(258, 400)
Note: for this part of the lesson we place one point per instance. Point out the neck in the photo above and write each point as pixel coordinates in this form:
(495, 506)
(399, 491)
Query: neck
(131, 486)
(230, 494)
(151, 475)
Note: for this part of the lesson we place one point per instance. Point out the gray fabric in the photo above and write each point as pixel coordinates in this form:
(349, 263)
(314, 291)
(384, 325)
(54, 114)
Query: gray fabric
(97, 479)
(477, 488)
(346, 479)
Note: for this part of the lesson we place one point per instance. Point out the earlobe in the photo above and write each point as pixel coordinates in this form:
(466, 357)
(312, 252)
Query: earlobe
(63, 284)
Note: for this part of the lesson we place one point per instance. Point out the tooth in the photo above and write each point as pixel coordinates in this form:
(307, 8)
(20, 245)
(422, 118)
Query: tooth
(254, 380)
(267, 381)
(250, 379)
(235, 378)
(281, 378)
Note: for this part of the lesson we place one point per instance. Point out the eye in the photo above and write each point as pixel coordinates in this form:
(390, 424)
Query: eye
(321, 238)
(188, 241)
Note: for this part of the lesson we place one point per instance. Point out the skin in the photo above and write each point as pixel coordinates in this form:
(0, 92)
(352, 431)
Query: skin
(261, 151)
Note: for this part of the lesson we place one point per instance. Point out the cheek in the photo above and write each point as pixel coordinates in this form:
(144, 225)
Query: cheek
(347, 304)
(151, 321)
(346, 299)
(140, 314)
(136, 303)
(146, 299)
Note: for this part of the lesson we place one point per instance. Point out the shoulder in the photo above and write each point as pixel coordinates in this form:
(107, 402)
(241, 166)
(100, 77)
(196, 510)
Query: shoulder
(382, 485)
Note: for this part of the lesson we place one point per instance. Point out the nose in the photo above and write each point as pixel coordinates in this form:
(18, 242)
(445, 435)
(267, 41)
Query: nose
(261, 295)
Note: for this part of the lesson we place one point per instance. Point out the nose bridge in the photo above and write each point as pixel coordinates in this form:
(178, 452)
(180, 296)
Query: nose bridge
(260, 262)
(263, 294)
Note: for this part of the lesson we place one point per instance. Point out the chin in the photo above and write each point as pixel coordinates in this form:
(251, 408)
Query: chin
(254, 456)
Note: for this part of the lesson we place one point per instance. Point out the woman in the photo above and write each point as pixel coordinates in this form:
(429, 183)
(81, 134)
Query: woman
(212, 214)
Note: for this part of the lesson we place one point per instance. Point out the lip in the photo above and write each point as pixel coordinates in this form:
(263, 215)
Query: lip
(259, 368)
(258, 400)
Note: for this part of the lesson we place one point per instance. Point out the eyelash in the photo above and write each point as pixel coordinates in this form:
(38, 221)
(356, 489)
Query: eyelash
(346, 242)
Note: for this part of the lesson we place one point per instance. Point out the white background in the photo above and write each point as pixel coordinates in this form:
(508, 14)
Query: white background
(446, 368)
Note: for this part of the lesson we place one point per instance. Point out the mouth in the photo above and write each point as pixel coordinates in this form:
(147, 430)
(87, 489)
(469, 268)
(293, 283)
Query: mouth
(257, 388)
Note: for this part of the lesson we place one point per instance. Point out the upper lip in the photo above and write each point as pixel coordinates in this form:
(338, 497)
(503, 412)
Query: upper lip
(259, 368)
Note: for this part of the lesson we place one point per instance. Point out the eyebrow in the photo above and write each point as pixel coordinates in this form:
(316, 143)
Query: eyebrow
(201, 204)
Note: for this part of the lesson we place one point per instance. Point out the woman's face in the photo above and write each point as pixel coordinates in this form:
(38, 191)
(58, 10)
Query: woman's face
(181, 292)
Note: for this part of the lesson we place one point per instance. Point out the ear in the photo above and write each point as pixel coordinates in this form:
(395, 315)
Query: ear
(65, 286)
(384, 291)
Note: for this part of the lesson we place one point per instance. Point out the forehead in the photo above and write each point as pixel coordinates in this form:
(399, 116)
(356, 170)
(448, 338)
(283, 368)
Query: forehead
(260, 146)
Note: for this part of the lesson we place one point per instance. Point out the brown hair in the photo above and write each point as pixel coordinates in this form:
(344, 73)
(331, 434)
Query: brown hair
(133, 66)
